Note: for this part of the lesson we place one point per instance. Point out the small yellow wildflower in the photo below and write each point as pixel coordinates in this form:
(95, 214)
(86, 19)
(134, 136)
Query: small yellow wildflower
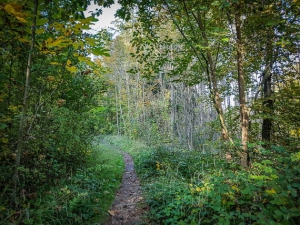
(158, 166)
(235, 188)
(270, 191)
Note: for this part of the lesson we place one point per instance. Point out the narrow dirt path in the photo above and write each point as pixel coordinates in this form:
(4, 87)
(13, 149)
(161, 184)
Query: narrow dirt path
(127, 208)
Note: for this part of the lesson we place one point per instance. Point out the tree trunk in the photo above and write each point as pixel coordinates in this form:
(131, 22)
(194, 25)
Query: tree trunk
(24, 106)
(117, 114)
(210, 65)
(244, 112)
(173, 111)
(268, 103)
(213, 85)
(267, 92)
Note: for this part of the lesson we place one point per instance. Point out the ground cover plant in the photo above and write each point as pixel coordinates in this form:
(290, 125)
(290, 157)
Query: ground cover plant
(192, 187)
(82, 197)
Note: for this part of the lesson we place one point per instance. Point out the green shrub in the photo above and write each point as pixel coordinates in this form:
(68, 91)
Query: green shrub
(186, 187)
(82, 197)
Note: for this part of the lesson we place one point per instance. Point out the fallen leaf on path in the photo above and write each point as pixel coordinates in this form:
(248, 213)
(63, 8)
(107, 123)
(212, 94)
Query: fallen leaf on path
(112, 213)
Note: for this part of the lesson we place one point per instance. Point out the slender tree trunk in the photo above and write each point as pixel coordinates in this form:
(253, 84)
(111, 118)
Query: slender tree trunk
(268, 103)
(122, 116)
(127, 85)
(244, 112)
(267, 92)
(143, 103)
(173, 111)
(24, 106)
(210, 66)
(213, 86)
(117, 114)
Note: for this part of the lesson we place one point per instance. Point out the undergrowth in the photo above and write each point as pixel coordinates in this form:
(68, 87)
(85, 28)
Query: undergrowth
(83, 197)
(192, 187)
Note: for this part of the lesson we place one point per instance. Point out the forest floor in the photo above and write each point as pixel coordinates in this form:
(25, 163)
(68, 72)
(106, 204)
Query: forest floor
(128, 207)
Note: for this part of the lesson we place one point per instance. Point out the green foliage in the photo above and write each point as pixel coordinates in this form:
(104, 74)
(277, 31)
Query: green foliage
(82, 197)
(59, 117)
(189, 187)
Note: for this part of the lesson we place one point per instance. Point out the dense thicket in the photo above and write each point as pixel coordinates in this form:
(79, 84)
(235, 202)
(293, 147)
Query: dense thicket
(51, 100)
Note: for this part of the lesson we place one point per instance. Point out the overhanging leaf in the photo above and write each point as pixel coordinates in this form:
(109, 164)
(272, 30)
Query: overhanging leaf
(55, 43)
(71, 69)
(100, 51)
(39, 31)
(41, 22)
(225, 39)
(22, 20)
(8, 8)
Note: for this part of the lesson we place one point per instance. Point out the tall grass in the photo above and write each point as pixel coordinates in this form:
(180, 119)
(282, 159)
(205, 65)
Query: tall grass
(83, 197)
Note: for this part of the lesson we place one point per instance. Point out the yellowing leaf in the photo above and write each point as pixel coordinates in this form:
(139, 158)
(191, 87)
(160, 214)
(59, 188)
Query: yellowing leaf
(8, 8)
(89, 19)
(72, 69)
(90, 41)
(13, 108)
(78, 26)
(14, 9)
(4, 140)
(77, 45)
(61, 37)
(89, 61)
(46, 52)
(234, 187)
(69, 62)
(22, 20)
(270, 191)
(55, 43)
(50, 78)
(49, 40)
(39, 31)
(55, 63)
(58, 25)
(23, 40)
(81, 59)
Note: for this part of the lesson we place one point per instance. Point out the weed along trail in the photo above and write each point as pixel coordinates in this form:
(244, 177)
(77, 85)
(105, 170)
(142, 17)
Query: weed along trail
(126, 208)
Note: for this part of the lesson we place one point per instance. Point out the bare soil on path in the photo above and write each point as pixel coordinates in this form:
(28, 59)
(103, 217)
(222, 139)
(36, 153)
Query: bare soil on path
(127, 208)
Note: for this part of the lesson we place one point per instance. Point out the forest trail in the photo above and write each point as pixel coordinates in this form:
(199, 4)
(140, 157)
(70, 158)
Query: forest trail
(127, 207)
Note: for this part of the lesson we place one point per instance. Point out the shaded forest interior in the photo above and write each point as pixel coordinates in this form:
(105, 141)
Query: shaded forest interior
(204, 94)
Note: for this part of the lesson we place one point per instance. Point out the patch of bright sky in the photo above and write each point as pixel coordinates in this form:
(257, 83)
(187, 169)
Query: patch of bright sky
(105, 19)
